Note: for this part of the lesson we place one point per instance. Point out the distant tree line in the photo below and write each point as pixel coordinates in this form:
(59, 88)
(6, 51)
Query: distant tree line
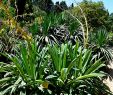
(46, 5)
(95, 12)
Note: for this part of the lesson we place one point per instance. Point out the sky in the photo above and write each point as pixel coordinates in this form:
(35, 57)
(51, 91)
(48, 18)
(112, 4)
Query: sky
(107, 3)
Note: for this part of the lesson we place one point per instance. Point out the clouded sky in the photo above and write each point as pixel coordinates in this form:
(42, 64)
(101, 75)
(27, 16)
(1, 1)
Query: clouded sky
(108, 3)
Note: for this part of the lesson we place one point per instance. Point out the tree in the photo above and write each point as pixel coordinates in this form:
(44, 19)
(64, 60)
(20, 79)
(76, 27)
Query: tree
(57, 8)
(20, 6)
(95, 13)
(60, 7)
(110, 22)
(45, 5)
(63, 5)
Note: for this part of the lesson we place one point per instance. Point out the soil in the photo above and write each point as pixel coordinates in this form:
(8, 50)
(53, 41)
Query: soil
(109, 80)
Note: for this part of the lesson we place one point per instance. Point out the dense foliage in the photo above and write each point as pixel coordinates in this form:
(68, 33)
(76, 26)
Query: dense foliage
(46, 50)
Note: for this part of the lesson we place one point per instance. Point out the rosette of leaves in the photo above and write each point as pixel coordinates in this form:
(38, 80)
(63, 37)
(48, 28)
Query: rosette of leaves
(71, 66)
(24, 75)
(99, 44)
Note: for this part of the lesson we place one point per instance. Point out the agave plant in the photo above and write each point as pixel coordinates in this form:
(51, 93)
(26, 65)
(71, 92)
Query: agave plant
(25, 73)
(71, 67)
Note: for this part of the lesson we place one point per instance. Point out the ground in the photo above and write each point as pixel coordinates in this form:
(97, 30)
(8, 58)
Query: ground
(109, 80)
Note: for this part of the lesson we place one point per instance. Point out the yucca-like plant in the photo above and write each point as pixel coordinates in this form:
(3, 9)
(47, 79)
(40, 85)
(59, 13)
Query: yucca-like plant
(55, 29)
(25, 73)
(99, 44)
(42, 24)
(71, 67)
(45, 27)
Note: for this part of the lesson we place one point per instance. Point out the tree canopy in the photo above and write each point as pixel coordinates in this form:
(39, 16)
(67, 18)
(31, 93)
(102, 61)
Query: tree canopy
(95, 13)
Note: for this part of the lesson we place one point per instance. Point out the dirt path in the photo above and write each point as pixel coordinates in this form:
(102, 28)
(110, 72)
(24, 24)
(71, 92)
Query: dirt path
(109, 80)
